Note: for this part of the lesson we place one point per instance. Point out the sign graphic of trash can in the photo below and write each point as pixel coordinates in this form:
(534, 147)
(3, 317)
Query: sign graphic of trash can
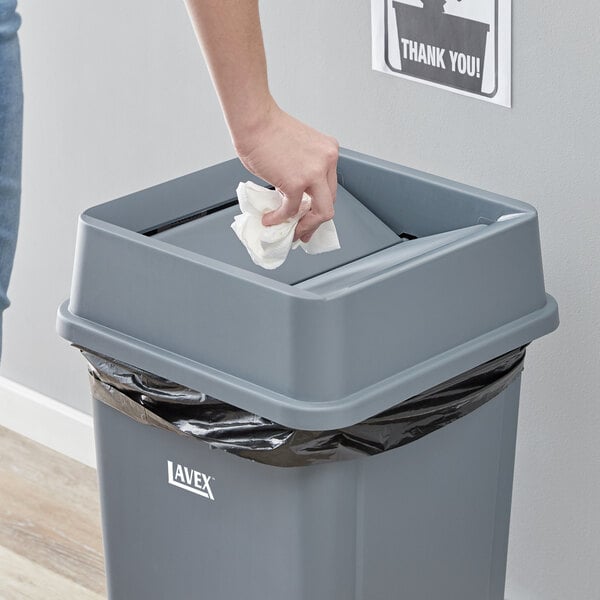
(440, 47)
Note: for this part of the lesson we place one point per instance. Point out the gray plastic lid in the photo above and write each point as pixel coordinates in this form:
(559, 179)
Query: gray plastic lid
(328, 345)
(360, 233)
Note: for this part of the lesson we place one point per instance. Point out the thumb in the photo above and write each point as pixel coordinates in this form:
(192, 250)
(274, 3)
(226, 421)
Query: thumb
(290, 206)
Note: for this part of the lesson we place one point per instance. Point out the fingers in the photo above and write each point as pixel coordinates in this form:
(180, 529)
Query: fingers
(315, 173)
(289, 208)
(321, 210)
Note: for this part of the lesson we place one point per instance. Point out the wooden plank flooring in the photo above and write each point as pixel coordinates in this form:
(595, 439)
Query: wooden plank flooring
(50, 539)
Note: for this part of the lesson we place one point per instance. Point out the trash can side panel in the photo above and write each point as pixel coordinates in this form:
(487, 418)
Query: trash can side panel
(150, 523)
(328, 544)
(432, 305)
(504, 490)
(184, 307)
(434, 515)
(268, 532)
(318, 351)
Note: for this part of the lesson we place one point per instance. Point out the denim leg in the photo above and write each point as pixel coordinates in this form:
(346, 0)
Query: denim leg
(11, 121)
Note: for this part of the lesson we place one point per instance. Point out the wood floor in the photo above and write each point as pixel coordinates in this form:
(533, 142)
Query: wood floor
(50, 540)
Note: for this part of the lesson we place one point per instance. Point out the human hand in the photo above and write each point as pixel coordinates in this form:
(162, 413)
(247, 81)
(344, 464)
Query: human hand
(295, 158)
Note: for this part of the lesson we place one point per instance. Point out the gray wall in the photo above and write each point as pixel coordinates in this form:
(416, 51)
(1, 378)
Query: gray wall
(118, 98)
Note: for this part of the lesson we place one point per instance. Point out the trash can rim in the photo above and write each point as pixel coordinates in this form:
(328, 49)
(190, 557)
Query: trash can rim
(303, 413)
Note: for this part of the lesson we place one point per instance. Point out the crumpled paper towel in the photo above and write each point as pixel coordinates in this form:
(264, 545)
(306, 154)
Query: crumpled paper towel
(269, 246)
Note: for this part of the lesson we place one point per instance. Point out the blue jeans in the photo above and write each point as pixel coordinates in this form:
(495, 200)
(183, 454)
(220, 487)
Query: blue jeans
(11, 136)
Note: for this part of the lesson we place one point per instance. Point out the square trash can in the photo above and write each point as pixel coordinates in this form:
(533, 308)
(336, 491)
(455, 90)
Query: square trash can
(433, 279)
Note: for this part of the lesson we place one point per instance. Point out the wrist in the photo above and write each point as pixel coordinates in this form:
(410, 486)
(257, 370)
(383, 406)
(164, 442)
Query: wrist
(246, 125)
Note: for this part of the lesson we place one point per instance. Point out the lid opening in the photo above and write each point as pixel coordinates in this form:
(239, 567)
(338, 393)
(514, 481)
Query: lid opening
(209, 233)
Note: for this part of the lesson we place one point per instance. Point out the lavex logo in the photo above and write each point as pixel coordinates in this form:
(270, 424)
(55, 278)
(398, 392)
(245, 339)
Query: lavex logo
(190, 480)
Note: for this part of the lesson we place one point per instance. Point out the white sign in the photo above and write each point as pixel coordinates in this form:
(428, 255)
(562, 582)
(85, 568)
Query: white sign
(459, 45)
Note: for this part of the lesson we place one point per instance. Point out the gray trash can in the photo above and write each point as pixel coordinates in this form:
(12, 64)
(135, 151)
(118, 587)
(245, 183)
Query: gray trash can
(434, 280)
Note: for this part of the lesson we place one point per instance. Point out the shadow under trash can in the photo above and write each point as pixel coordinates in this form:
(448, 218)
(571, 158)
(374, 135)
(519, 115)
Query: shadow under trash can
(342, 427)
(426, 29)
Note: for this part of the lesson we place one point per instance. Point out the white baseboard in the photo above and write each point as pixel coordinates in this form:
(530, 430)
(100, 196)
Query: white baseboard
(47, 421)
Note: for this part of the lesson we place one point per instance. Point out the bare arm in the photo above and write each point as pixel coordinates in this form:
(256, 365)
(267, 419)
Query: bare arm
(272, 144)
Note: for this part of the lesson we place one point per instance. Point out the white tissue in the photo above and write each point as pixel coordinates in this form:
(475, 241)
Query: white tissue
(269, 246)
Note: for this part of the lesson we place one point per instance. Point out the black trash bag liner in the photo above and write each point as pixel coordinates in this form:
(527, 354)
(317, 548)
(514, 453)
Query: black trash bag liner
(155, 401)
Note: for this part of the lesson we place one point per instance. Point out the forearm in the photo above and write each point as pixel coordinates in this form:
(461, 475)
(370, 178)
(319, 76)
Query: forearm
(230, 34)
(271, 144)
